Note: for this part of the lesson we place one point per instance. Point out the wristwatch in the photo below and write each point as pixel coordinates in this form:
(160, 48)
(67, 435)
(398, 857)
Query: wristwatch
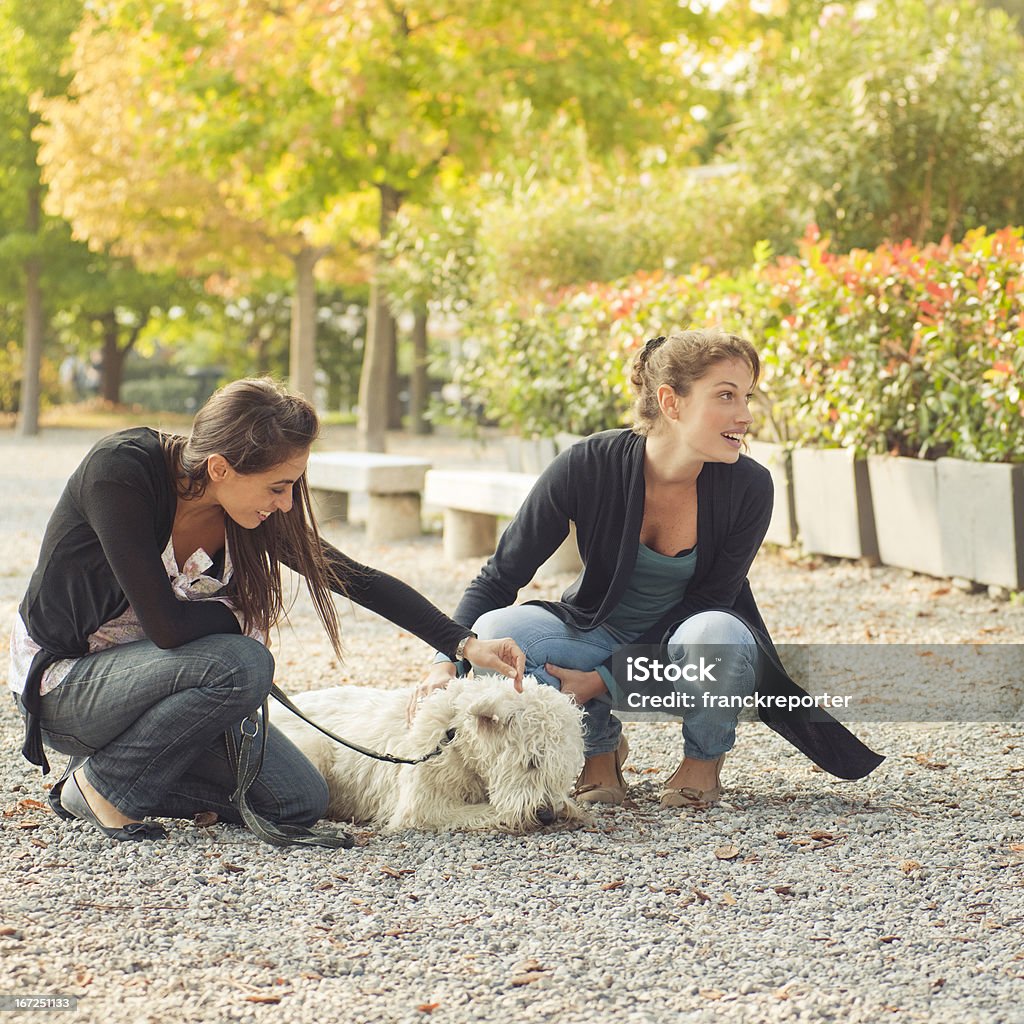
(460, 650)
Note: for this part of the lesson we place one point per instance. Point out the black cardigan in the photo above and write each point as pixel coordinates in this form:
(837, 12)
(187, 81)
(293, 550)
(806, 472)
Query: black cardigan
(598, 483)
(101, 552)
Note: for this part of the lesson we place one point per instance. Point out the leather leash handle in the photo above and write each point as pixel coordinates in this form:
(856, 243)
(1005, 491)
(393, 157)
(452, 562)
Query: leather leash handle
(247, 767)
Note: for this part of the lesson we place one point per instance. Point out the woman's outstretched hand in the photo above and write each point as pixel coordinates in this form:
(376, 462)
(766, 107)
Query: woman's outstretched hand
(581, 686)
(502, 656)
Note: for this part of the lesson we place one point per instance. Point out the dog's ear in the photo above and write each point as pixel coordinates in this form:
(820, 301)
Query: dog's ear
(487, 722)
(487, 719)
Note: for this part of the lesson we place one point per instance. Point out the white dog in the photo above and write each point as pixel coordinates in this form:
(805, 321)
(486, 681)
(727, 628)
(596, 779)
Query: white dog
(510, 766)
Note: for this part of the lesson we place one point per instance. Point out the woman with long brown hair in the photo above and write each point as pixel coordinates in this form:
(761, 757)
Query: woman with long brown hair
(142, 638)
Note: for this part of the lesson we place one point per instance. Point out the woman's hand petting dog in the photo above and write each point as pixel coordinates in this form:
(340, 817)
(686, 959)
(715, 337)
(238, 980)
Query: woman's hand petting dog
(502, 656)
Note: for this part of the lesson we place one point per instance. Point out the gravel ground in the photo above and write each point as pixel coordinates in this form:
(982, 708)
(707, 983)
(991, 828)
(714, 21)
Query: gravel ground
(800, 898)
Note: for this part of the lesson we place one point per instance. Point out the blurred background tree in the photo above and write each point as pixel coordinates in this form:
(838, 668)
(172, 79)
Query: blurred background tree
(239, 188)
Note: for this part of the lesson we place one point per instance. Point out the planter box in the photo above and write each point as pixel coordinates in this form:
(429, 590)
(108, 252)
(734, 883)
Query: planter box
(905, 499)
(832, 498)
(529, 455)
(775, 458)
(981, 512)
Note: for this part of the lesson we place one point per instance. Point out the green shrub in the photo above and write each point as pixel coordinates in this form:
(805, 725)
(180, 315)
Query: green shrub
(904, 349)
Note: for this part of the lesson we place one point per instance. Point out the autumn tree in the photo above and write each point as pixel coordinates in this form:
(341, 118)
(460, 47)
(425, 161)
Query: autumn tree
(32, 39)
(213, 134)
(185, 141)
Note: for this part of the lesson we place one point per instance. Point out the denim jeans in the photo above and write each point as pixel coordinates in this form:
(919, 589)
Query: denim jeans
(152, 724)
(707, 732)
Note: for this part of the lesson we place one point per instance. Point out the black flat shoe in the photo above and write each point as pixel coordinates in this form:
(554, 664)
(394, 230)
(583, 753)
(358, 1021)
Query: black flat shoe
(74, 763)
(76, 806)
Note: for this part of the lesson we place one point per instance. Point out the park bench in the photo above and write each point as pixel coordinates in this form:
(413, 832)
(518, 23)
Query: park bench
(393, 483)
(474, 500)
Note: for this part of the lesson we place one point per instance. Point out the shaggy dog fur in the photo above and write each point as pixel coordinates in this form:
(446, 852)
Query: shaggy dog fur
(511, 765)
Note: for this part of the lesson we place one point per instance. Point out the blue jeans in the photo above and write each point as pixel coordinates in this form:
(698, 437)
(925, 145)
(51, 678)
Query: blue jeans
(707, 732)
(152, 724)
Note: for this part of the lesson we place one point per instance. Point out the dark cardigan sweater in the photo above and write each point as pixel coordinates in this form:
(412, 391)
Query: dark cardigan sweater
(101, 552)
(598, 483)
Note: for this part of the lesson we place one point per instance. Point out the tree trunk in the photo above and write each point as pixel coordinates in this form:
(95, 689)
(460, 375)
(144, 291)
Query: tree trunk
(28, 406)
(419, 382)
(375, 376)
(112, 369)
(302, 360)
(394, 386)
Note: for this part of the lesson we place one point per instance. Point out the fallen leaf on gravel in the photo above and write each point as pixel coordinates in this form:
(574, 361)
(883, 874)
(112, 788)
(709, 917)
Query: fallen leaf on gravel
(927, 762)
(608, 886)
(233, 868)
(30, 804)
(940, 591)
(889, 938)
(781, 835)
(263, 999)
(525, 979)
(702, 896)
(204, 819)
(530, 966)
(711, 993)
(730, 900)
(391, 872)
(40, 843)
(906, 866)
(27, 825)
(8, 931)
(784, 890)
(1017, 847)
(427, 1007)
(938, 982)
(727, 852)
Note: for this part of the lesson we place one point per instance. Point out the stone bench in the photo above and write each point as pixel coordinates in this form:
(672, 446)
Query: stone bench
(474, 500)
(394, 484)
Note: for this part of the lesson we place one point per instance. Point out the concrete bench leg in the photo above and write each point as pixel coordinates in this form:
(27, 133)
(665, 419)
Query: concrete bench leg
(328, 505)
(468, 534)
(393, 517)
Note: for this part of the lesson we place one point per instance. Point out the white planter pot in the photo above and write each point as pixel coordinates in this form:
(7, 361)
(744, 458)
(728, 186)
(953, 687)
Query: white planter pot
(905, 500)
(528, 455)
(832, 498)
(981, 513)
(775, 458)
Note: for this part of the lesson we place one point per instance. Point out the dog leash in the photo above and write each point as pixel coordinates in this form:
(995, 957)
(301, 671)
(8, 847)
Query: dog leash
(282, 698)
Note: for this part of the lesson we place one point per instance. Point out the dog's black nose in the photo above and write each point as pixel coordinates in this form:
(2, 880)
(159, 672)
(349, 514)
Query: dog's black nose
(546, 815)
